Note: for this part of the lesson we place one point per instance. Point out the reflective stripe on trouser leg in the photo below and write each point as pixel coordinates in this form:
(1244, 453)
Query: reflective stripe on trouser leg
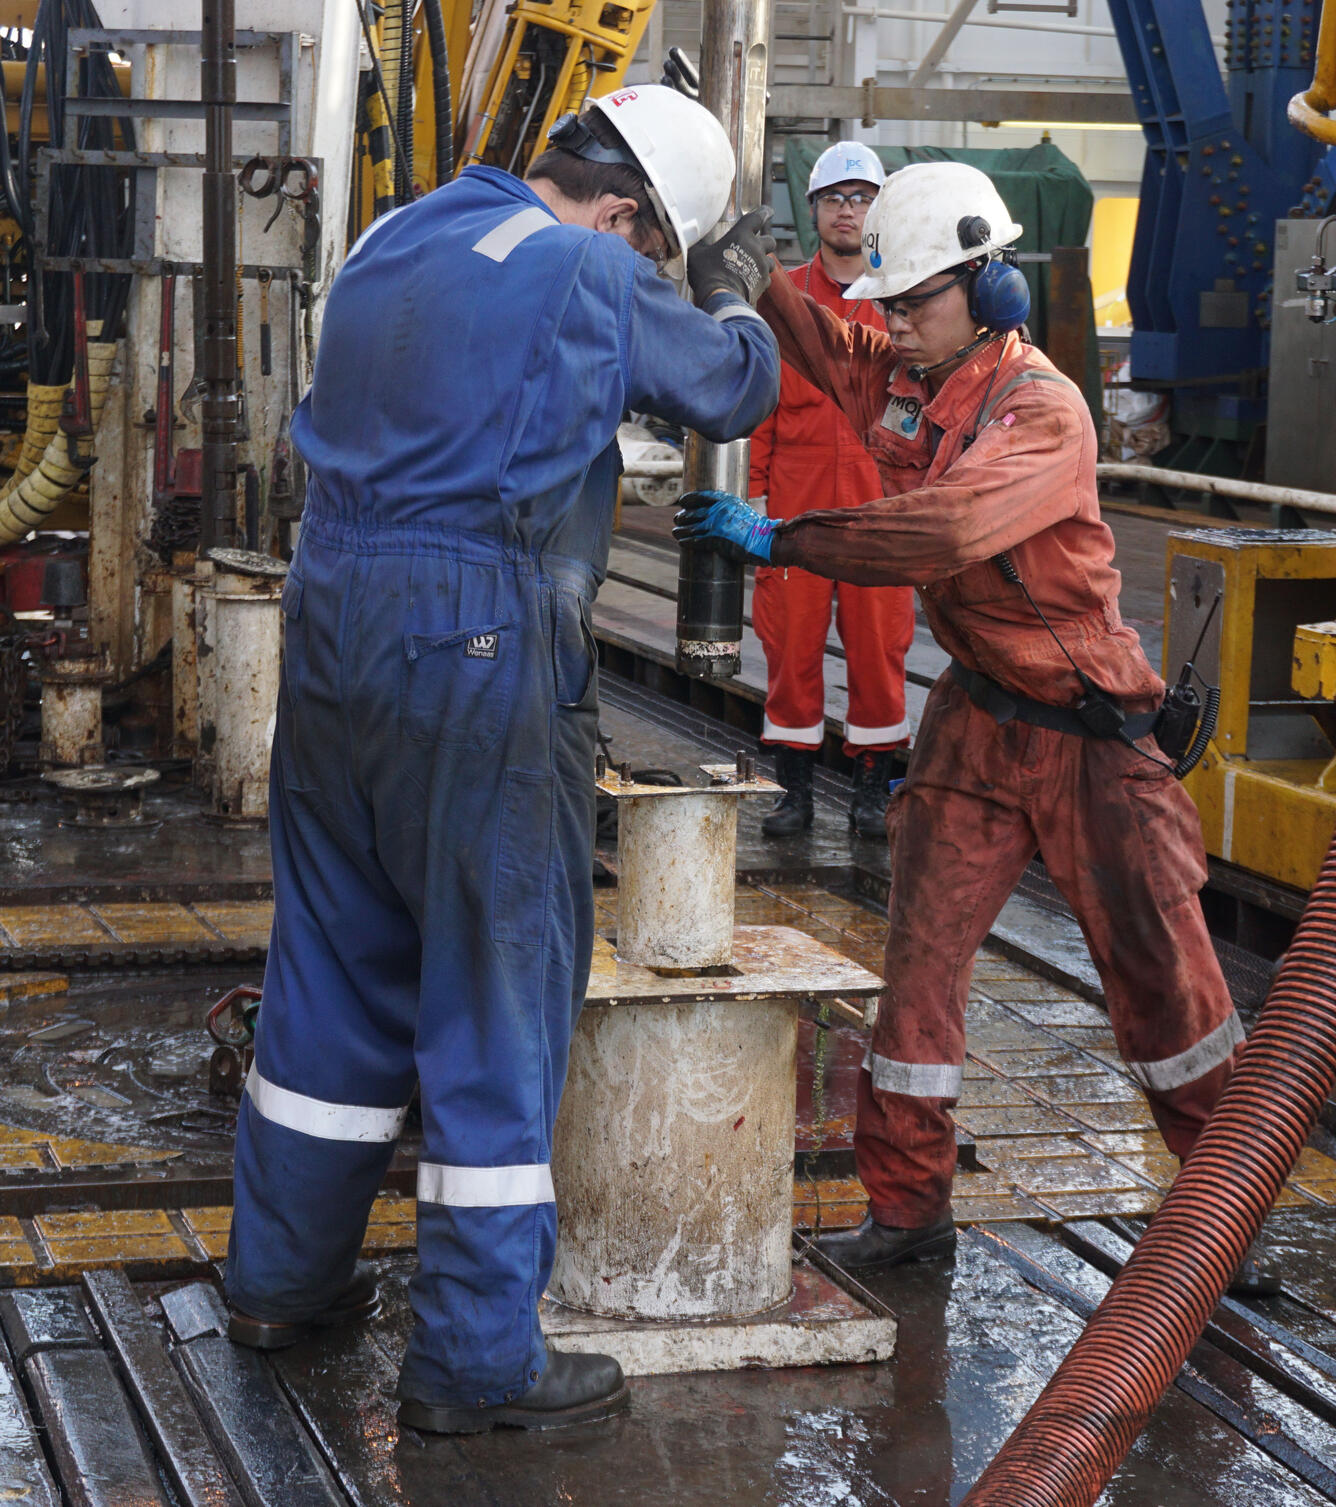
(320, 1118)
(1169, 1073)
(919, 1080)
(485, 1187)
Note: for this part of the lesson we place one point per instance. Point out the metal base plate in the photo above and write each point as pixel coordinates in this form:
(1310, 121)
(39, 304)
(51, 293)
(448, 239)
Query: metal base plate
(821, 1324)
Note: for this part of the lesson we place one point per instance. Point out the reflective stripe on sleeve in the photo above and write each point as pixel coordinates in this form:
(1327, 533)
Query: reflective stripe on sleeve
(502, 239)
(320, 1118)
(1196, 1062)
(919, 1080)
(859, 735)
(772, 732)
(485, 1187)
(736, 311)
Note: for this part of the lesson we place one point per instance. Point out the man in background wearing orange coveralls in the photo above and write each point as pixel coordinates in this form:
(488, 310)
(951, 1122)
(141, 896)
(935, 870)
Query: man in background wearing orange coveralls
(807, 456)
(1038, 736)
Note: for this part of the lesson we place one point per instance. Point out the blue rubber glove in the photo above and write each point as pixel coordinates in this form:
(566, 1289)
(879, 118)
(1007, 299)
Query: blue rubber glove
(726, 525)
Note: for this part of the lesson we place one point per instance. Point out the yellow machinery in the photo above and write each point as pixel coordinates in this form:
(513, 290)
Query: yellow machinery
(551, 58)
(1267, 786)
(554, 57)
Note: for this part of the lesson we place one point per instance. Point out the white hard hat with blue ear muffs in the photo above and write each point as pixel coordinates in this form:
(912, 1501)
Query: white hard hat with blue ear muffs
(933, 217)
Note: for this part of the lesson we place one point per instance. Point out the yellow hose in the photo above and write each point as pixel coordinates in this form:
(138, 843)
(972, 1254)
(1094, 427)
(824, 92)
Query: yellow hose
(1308, 111)
(43, 421)
(27, 499)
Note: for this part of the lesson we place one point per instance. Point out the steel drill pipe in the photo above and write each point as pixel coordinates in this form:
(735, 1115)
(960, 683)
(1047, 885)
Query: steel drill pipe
(734, 44)
(1089, 1415)
(218, 91)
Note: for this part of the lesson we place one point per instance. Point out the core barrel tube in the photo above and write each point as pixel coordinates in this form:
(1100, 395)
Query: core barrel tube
(709, 587)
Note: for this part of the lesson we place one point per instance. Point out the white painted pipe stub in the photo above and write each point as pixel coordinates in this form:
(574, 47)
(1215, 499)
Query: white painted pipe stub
(673, 1160)
(675, 862)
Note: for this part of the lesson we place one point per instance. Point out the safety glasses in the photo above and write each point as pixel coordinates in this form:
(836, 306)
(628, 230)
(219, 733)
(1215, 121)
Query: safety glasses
(910, 306)
(833, 199)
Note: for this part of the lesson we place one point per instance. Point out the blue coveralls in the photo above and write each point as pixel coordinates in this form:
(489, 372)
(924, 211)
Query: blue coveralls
(432, 799)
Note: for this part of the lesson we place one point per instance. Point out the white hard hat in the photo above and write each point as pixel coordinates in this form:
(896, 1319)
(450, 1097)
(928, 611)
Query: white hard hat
(928, 217)
(685, 155)
(845, 162)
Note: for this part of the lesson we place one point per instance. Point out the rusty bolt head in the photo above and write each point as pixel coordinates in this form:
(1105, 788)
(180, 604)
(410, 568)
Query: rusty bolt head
(600, 765)
(624, 772)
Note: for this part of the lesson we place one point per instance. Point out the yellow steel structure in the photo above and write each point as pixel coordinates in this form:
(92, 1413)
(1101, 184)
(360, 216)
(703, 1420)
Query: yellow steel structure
(1265, 788)
(1308, 111)
(555, 57)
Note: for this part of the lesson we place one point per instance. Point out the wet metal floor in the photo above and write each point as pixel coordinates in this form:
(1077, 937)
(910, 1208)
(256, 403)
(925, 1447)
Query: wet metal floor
(129, 1380)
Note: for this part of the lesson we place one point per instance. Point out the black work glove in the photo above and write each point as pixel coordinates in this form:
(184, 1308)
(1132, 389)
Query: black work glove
(680, 73)
(738, 262)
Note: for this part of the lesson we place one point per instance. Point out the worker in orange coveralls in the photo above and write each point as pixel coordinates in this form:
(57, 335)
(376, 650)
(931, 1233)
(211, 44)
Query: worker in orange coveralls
(806, 456)
(1038, 736)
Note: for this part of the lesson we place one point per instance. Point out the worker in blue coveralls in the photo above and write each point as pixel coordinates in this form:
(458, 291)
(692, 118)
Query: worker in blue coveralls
(432, 807)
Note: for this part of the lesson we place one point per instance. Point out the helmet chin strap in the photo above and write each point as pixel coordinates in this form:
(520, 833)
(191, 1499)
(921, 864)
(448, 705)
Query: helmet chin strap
(917, 373)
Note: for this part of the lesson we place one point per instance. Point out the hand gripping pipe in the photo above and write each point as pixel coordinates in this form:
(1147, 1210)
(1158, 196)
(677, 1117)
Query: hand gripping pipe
(1089, 1415)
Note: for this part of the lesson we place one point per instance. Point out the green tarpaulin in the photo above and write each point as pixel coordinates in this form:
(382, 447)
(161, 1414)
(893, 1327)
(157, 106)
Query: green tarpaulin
(1044, 190)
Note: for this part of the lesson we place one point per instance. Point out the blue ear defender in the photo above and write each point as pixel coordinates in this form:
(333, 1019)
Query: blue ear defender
(999, 296)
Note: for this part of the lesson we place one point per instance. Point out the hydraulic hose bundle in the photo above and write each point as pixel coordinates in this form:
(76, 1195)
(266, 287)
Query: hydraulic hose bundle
(90, 215)
(1089, 1415)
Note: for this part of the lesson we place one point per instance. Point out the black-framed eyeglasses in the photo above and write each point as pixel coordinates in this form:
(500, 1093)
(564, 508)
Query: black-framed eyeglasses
(834, 199)
(910, 305)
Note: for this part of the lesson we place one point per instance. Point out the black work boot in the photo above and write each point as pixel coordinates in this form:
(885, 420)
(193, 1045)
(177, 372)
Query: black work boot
(793, 810)
(867, 810)
(572, 1389)
(874, 1245)
(359, 1300)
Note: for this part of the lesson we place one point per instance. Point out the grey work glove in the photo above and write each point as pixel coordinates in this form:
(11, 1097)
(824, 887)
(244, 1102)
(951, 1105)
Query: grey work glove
(738, 262)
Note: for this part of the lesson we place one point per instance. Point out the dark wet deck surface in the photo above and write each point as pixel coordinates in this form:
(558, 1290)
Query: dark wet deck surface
(119, 1391)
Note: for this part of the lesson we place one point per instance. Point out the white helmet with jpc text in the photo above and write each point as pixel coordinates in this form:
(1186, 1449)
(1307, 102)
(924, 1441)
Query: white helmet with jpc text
(845, 162)
(929, 217)
(685, 155)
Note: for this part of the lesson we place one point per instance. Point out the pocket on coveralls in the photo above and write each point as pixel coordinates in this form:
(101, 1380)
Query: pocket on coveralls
(574, 652)
(1171, 839)
(456, 687)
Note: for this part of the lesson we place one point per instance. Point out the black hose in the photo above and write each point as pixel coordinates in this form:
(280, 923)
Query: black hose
(440, 91)
(404, 174)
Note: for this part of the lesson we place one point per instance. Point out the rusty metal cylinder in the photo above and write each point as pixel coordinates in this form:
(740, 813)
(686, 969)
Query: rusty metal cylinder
(185, 672)
(673, 1160)
(675, 880)
(245, 634)
(72, 711)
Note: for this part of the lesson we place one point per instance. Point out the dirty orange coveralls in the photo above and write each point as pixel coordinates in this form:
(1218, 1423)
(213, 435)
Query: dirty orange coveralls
(1119, 836)
(807, 456)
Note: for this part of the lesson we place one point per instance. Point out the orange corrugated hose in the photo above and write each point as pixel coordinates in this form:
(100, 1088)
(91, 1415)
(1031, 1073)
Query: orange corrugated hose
(1089, 1415)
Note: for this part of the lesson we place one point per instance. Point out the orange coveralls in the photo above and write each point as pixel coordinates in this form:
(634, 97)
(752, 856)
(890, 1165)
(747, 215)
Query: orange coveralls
(807, 456)
(1119, 836)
